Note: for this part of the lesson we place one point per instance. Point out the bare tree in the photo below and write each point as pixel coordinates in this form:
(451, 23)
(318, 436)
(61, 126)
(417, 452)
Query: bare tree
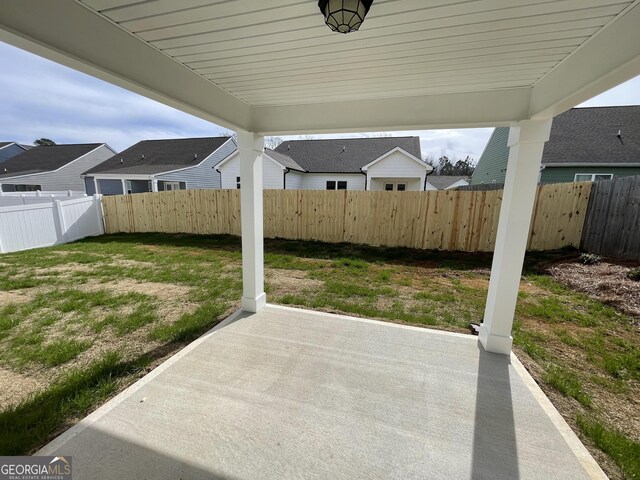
(272, 142)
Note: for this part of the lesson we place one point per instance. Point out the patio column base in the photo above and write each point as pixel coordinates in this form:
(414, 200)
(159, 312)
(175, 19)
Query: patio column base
(254, 305)
(494, 343)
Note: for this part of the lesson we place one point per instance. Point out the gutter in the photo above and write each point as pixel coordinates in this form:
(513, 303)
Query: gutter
(284, 178)
(366, 178)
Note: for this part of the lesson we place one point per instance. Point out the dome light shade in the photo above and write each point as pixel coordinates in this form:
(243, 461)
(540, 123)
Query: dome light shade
(344, 16)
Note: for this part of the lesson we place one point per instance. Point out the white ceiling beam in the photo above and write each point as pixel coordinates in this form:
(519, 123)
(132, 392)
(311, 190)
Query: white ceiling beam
(68, 33)
(607, 59)
(459, 110)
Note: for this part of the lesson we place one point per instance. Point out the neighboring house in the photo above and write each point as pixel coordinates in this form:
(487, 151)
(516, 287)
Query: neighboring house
(446, 182)
(159, 165)
(386, 163)
(51, 168)
(11, 149)
(586, 144)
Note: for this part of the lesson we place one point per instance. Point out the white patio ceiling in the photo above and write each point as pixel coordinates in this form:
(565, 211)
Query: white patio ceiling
(274, 67)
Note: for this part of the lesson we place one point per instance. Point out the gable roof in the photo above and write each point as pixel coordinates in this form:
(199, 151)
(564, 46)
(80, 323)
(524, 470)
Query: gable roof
(589, 136)
(343, 155)
(150, 157)
(284, 160)
(44, 159)
(441, 182)
(4, 144)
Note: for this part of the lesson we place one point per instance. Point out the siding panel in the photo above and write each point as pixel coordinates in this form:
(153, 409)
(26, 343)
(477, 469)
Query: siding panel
(67, 177)
(492, 166)
(203, 175)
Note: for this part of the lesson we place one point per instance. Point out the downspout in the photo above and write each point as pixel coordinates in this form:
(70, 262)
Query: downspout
(542, 167)
(424, 189)
(216, 169)
(284, 178)
(366, 178)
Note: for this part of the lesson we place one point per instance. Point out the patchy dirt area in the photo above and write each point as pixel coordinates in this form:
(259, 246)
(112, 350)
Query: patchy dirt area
(15, 385)
(290, 281)
(12, 298)
(607, 282)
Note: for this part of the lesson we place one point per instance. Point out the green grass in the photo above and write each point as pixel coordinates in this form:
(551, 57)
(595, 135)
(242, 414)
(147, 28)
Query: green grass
(28, 425)
(567, 383)
(190, 325)
(625, 452)
(64, 322)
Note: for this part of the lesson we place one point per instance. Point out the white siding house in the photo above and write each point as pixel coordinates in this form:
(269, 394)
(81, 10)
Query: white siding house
(273, 173)
(318, 181)
(52, 168)
(387, 163)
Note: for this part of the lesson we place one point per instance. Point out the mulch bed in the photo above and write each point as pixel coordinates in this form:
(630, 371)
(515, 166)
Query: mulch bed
(607, 282)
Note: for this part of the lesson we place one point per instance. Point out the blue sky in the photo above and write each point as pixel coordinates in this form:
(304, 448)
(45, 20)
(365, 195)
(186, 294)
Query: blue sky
(39, 98)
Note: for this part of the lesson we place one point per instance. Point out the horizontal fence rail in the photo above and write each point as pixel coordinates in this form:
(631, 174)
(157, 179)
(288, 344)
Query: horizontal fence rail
(440, 220)
(23, 227)
(612, 225)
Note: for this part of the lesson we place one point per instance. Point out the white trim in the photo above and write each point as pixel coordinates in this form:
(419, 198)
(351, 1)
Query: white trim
(591, 165)
(226, 160)
(592, 175)
(9, 144)
(394, 150)
(63, 166)
(113, 176)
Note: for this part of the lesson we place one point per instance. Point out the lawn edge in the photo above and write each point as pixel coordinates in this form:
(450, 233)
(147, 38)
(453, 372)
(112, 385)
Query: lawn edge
(581, 452)
(112, 403)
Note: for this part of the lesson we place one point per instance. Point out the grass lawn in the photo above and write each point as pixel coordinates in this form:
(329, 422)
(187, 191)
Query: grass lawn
(81, 321)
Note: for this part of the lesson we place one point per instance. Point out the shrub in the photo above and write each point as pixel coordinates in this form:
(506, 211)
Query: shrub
(634, 274)
(590, 258)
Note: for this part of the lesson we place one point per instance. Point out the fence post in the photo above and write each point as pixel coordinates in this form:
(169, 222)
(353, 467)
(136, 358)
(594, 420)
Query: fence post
(97, 201)
(24, 201)
(38, 193)
(1, 247)
(58, 215)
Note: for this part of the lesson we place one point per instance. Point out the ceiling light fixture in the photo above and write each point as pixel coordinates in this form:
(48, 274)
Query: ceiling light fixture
(344, 16)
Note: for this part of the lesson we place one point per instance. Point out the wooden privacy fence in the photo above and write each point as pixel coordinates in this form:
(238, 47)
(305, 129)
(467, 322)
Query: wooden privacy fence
(612, 225)
(441, 220)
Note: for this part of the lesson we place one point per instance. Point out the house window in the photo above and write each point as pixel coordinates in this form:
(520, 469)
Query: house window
(238, 183)
(399, 187)
(342, 185)
(592, 177)
(172, 185)
(331, 185)
(28, 188)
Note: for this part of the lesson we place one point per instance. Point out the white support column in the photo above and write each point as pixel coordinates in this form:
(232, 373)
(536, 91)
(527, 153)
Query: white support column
(526, 142)
(124, 186)
(154, 185)
(250, 148)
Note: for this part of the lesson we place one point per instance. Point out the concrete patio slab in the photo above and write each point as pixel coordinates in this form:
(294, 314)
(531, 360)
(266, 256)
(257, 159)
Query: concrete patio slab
(289, 393)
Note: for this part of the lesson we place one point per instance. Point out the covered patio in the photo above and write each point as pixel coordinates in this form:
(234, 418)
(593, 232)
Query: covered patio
(290, 393)
(274, 68)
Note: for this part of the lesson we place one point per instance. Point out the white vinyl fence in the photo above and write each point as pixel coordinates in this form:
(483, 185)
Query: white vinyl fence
(8, 199)
(44, 224)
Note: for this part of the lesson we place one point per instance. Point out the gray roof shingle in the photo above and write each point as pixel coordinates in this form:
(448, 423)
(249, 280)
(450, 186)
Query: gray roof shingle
(284, 160)
(44, 158)
(156, 156)
(588, 135)
(443, 181)
(343, 155)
